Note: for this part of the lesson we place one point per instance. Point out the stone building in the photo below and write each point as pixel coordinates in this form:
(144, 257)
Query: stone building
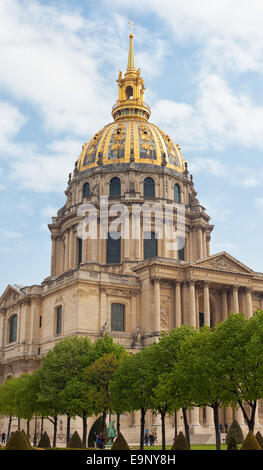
(133, 286)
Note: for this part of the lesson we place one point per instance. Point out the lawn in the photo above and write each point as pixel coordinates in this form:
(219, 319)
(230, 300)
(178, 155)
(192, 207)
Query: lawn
(193, 447)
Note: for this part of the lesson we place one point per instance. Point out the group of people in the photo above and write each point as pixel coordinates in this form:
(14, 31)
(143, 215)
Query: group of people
(150, 437)
(99, 440)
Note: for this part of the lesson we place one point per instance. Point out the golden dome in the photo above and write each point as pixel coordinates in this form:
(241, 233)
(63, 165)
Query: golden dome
(131, 138)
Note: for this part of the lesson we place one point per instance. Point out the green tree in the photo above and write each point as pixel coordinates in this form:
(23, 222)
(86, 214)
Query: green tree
(169, 347)
(198, 371)
(98, 377)
(239, 345)
(131, 389)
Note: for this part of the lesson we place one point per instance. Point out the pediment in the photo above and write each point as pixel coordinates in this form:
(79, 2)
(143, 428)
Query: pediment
(11, 295)
(224, 262)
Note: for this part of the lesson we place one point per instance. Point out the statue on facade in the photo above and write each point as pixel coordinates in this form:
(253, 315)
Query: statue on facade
(105, 328)
(138, 338)
(111, 432)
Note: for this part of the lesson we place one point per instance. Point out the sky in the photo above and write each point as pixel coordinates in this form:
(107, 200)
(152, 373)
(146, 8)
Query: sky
(202, 64)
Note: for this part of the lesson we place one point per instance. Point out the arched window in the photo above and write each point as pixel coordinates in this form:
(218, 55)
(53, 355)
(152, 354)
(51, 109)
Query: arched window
(13, 329)
(86, 190)
(149, 245)
(79, 241)
(59, 320)
(149, 187)
(129, 92)
(176, 193)
(115, 186)
(114, 248)
(117, 317)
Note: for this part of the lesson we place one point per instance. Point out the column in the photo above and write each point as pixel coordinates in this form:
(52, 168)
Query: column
(84, 250)
(224, 304)
(257, 423)
(206, 304)
(157, 304)
(229, 416)
(178, 308)
(71, 249)
(209, 416)
(208, 246)
(53, 256)
(204, 244)
(66, 250)
(238, 416)
(235, 299)
(249, 302)
(194, 419)
(199, 243)
(192, 314)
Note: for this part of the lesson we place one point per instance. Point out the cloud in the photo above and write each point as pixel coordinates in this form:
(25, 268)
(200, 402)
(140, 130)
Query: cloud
(218, 117)
(10, 234)
(11, 121)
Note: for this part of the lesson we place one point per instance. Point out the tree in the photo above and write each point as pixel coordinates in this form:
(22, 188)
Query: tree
(62, 384)
(198, 372)
(239, 343)
(131, 388)
(170, 345)
(98, 377)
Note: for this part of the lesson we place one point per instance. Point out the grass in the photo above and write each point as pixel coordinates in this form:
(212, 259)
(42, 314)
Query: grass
(193, 447)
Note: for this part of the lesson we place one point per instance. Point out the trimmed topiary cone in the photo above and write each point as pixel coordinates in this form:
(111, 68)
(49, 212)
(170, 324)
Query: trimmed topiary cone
(236, 431)
(232, 443)
(180, 443)
(18, 441)
(120, 443)
(250, 443)
(259, 439)
(26, 438)
(44, 441)
(75, 442)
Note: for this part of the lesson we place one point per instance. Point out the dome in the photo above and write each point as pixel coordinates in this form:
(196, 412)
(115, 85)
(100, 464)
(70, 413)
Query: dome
(131, 138)
(131, 141)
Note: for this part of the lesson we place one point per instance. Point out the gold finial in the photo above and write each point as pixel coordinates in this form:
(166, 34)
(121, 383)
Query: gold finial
(131, 65)
(132, 24)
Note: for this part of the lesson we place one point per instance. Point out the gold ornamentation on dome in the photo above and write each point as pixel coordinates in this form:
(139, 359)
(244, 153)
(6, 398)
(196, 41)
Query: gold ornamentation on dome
(146, 146)
(144, 133)
(94, 142)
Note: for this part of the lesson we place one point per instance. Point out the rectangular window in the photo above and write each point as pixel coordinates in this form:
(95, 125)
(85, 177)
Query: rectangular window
(149, 245)
(181, 250)
(117, 317)
(79, 251)
(113, 250)
(40, 321)
(59, 321)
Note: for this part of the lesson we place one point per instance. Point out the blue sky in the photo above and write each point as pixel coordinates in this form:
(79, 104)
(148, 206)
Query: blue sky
(202, 63)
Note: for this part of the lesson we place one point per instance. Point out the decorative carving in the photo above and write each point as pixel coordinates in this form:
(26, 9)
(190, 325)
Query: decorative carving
(105, 329)
(164, 313)
(138, 338)
(222, 263)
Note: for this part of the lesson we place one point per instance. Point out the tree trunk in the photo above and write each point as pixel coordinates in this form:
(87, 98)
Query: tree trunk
(84, 420)
(55, 430)
(175, 425)
(186, 426)
(217, 430)
(118, 423)
(28, 428)
(143, 411)
(104, 416)
(250, 421)
(18, 424)
(9, 427)
(35, 433)
(163, 429)
(42, 426)
(68, 428)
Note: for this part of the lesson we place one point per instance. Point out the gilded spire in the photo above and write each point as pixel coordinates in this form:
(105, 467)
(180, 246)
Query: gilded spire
(131, 65)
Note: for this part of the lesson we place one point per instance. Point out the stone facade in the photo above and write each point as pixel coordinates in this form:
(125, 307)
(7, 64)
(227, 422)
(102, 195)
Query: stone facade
(157, 293)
